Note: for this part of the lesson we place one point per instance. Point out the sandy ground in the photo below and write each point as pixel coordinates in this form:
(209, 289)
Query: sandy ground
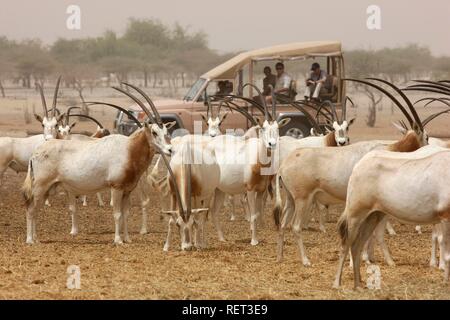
(231, 270)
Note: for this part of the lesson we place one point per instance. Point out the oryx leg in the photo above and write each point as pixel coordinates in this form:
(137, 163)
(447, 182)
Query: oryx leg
(302, 207)
(219, 198)
(100, 200)
(84, 199)
(390, 228)
(73, 214)
(434, 243)
(445, 244)
(171, 223)
(117, 196)
(322, 211)
(286, 214)
(255, 201)
(169, 232)
(366, 229)
(126, 204)
(378, 236)
(233, 200)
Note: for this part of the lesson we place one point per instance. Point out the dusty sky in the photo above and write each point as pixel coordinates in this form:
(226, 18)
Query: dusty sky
(243, 24)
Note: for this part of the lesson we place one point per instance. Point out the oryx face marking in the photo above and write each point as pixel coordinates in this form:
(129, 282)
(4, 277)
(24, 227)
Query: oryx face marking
(270, 134)
(49, 125)
(161, 138)
(213, 126)
(341, 133)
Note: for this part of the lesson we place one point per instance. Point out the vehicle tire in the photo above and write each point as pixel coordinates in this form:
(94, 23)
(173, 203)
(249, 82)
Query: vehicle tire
(296, 129)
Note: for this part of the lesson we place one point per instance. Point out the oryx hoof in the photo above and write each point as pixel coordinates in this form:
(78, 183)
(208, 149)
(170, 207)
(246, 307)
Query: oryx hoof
(254, 242)
(143, 231)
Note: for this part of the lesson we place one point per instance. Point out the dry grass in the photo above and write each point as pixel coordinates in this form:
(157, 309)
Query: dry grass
(231, 270)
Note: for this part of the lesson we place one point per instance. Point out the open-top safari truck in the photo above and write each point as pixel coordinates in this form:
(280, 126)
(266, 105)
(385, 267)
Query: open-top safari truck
(240, 70)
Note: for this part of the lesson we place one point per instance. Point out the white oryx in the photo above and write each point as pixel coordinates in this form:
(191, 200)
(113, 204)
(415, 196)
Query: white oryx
(16, 152)
(246, 166)
(84, 167)
(66, 134)
(194, 175)
(322, 174)
(410, 187)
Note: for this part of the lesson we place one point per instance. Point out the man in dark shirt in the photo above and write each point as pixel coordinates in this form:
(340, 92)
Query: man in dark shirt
(270, 79)
(315, 82)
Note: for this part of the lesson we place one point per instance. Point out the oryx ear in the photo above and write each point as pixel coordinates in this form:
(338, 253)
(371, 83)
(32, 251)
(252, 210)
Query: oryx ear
(283, 122)
(416, 128)
(38, 118)
(72, 125)
(351, 122)
(399, 128)
(204, 119)
(60, 117)
(223, 117)
(170, 124)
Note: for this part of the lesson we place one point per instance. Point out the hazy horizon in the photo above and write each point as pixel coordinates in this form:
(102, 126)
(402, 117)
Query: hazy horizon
(236, 25)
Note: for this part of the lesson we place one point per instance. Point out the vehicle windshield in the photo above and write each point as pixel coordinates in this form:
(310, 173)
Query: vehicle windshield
(194, 90)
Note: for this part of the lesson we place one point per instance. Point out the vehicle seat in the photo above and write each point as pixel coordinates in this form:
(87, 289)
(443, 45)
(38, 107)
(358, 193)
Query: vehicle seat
(330, 89)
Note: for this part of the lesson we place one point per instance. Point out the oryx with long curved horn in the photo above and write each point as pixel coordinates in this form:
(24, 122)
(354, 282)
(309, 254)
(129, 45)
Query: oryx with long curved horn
(16, 152)
(322, 173)
(114, 162)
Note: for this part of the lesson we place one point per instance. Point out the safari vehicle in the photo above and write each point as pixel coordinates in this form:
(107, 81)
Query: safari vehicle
(240, 70)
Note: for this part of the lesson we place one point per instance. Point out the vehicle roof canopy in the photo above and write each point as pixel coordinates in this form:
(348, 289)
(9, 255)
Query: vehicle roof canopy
(290, 51)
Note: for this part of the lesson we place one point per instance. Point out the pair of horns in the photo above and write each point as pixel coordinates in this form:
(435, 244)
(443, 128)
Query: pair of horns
(415, 117)
(129, 114)
(155, 118)
(55, 98)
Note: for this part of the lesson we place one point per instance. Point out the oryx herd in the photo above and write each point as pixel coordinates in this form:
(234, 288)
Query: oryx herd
(406, 180)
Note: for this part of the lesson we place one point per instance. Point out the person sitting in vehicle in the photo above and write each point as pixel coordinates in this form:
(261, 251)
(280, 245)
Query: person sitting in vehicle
(269, 79)
(268, 84)
(283, 82)
(315, 82)
(224, 87)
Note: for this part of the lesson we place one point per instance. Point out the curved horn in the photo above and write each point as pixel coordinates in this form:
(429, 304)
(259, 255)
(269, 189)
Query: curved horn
(344, 107)
(243, 112)
(425, 89)
(87, 117)
(68, 113)
(397, 103)
(139, 102)
(44, 103)
(431, 100)
(434, 116)
(129, 114)
(333, 109)
(308, 116)
(150, 102)
(55, 95)
(261, 97)
(172, 176)
(405, 98)
(248, 100)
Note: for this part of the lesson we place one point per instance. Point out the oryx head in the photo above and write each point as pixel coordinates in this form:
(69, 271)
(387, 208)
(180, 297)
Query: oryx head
(270, 132)
(340, 126)
(156, 131)
(213, 121)
(50, 121)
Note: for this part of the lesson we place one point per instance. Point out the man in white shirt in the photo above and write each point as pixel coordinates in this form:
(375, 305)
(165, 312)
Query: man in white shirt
(315, 82)
(282, 83)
